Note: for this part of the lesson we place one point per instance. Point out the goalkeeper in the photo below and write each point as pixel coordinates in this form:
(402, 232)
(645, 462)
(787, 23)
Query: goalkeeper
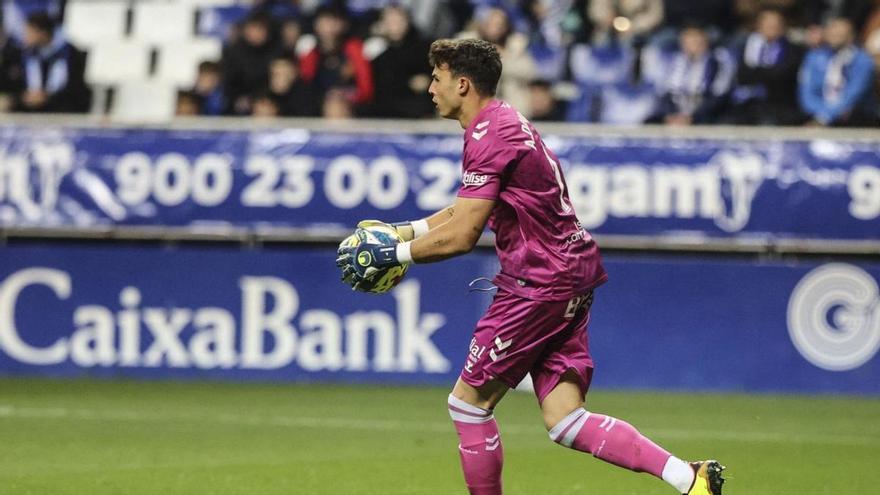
(550, 265)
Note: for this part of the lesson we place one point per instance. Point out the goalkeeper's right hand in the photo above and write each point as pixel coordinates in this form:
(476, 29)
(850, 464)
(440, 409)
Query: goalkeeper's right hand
(404, 229)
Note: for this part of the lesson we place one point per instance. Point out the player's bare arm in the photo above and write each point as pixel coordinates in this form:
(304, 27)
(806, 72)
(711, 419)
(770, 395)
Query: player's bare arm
(416, 228)
(455, 230)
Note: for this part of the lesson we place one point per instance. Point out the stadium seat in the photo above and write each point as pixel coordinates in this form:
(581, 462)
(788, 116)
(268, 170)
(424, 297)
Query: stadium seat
(584, 106)
(610, 64)
(89, 22)
(111, 63)
(218, 20)
(160, 21)
(655, 64)
(144, 102)
(178, 62)
(627, 104)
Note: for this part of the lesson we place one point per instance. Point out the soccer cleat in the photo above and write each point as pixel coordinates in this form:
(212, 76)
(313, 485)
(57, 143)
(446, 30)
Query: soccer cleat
(707, 478)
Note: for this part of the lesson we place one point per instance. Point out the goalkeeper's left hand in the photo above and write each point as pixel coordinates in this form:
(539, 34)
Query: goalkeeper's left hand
(364, 261)
(404, 229)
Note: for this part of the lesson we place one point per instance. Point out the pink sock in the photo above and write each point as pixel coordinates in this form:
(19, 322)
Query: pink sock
(480, 449)
(611, 440)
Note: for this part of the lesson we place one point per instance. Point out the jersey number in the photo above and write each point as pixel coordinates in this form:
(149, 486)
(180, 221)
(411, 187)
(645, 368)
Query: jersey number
(556, 172)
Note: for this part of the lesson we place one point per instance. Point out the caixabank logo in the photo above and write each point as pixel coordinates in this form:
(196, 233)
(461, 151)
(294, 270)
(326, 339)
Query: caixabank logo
(834, 317)
(271, 330)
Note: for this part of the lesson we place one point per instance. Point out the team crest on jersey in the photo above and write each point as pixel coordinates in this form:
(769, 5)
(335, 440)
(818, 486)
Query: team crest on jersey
(481, 129)
(474, 179)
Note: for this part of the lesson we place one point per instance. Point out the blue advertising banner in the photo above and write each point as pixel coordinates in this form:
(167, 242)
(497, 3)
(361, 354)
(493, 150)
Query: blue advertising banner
(297, 178)
(283, 315)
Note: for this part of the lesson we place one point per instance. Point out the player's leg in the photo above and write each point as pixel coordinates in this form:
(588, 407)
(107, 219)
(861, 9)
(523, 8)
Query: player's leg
(507, 342)
(480, 449)
(610, 439)
(562, 379)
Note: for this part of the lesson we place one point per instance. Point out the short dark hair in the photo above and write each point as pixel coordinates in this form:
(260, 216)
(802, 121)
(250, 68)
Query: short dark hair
(209, 66)
(41, 21)
(478, 60)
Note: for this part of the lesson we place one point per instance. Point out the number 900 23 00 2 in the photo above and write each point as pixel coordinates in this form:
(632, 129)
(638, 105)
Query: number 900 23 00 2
(288, 181)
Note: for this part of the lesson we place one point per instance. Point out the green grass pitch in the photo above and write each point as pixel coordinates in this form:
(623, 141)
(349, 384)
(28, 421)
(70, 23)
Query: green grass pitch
(94, 437)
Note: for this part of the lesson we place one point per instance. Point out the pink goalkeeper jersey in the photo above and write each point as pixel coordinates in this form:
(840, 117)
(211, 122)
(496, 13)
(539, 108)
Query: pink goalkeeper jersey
(544, 251)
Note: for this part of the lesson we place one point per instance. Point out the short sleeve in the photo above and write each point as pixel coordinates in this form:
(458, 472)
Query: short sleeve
(484, 164)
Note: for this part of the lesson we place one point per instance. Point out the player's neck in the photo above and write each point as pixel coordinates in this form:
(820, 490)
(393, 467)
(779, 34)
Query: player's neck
(470, 110)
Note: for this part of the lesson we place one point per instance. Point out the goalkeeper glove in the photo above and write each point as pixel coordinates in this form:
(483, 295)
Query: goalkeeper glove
(363, 262)
(404, 229)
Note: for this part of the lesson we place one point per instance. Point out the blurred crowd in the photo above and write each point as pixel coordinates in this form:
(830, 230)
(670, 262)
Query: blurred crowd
(744, 62)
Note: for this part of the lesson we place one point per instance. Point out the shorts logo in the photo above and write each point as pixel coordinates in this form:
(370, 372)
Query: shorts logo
(500, 346)
(834, 317)
(475, 352)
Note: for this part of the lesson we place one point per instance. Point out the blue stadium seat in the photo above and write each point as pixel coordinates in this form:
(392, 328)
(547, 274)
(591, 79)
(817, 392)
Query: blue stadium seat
(218, 21)
(627, 104)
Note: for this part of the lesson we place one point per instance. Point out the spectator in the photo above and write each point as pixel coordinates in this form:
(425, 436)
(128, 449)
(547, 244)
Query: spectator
(698, 84)
(337, 60)
(54, 71)
(767, 75)
(337, 105)
(519, 67)
(188, 104)
(291, 33)
(797, 13)
(11, 73)
(714, 16)
(208, 88)
(246, 62)
(402, 71)
(555, 25)
(265, 106)
(294, 98)
(836, 80)
(624, 20)
(543, 105)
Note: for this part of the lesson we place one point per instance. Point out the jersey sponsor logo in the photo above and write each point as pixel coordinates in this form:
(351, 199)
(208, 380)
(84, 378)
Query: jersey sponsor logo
(578, 235)
(474, 179)
(834, 317)
(481, 129)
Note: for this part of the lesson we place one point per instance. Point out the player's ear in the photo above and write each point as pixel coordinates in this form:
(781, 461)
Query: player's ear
(464, 85)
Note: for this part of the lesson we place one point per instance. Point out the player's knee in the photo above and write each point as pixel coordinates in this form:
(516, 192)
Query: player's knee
(462, 412)
(566, 428)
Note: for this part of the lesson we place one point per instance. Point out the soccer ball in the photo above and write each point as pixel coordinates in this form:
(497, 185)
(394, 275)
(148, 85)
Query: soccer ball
(387, 278)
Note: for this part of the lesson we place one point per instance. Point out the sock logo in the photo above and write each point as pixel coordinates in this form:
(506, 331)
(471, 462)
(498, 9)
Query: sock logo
(834, 317)
(493, 442)
(607, 423)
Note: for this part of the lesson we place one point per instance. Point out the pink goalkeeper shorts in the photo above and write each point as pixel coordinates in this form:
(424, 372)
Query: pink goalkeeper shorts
(517, 336)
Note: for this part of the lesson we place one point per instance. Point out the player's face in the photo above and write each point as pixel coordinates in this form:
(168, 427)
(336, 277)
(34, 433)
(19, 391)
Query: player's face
(838, 34)
(444, 93)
